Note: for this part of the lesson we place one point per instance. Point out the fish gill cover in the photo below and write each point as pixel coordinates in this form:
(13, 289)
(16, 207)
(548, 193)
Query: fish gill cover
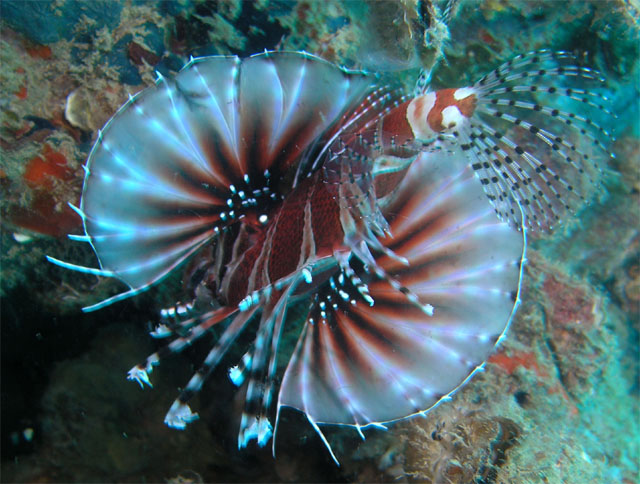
(383, 224)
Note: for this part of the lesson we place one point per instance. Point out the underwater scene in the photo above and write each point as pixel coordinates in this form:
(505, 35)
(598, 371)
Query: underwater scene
(320, 241)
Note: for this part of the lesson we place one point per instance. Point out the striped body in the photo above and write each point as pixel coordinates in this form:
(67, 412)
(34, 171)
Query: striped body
(304, 228)
(360, 163)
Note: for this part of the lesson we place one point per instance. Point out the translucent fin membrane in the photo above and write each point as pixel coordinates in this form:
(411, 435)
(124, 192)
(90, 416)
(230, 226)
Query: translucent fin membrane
(184, 159)
(539, 136)
(461, 261)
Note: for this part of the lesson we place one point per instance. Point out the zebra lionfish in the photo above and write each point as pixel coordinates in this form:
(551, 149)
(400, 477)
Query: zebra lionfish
(283, 177)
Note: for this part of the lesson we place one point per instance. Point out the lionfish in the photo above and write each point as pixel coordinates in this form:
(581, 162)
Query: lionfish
(285, 178)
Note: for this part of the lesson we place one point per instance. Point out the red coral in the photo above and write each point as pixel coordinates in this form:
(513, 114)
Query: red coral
(46, 216)
(47, 213)
(570, 304)
(39, 51)
(42, 171)
(516, 359)
(139, 55)
(22, 92)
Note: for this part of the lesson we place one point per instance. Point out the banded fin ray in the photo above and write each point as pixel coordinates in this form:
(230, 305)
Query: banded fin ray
(359, 129)
(537, 138)
(254, 422)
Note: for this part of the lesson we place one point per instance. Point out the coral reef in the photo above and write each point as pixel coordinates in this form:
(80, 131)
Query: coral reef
(557, 403)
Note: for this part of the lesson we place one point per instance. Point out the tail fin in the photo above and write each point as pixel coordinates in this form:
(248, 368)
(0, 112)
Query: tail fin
(538, 136)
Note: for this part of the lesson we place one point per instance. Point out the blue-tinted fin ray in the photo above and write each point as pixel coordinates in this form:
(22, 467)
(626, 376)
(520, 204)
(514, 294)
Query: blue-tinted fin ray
(83, 269)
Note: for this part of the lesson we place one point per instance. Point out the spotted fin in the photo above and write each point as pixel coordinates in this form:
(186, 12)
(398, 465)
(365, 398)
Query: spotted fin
(461, 261)
(539, 136)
